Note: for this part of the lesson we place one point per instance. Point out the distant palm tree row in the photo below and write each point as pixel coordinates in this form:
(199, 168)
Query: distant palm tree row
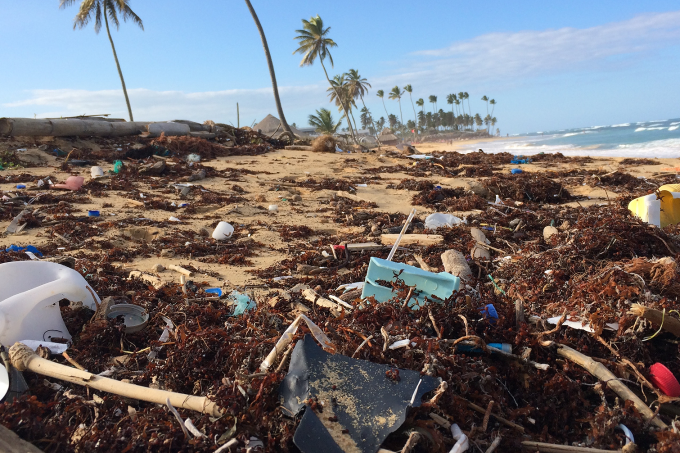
(344, 89)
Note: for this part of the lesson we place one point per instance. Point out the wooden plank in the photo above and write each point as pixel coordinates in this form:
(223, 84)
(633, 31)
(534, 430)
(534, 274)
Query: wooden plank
(410, 239)
(555, 448)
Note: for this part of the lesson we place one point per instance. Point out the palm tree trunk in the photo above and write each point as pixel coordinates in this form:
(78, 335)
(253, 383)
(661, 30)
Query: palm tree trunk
(342, 103)
(115, 56)
(415, 117)
(275, 87)
(385, 107)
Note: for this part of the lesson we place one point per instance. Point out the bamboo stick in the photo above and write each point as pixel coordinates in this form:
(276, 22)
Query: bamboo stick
(555, 448)
(602, 373)
(23, 358)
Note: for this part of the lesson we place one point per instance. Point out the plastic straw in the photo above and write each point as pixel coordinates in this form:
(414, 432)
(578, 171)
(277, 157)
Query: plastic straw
(403, 230)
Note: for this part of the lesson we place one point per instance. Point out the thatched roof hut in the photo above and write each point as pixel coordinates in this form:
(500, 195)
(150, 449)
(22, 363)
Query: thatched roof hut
(388, 138)
(270, 125)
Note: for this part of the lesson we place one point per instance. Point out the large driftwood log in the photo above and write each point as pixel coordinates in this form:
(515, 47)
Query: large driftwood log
(23, 358)
(70, 127)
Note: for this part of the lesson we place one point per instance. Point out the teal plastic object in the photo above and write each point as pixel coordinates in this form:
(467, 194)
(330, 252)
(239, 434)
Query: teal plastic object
(428, 284)
(243, 303)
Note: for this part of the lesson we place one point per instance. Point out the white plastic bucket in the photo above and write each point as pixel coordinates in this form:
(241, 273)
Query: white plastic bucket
(30, 292)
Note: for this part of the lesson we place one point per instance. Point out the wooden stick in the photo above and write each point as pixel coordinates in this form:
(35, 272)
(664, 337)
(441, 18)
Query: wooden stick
(181, 270)
(362, 345)
(669, 324)
(411, 442)
(602, 373)
(487, 414)
(150, 279)
(434, 324)
(496, 442)
(73, 362)
(410, 239)
(23, 358)
(503, 421)
(554, 448)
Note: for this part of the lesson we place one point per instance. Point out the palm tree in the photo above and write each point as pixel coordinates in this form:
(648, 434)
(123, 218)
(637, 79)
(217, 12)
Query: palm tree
(396, 93)
(409, 89)
(110, 10)
(381, 94)
(451, 99)
(323, 122)
(275, 87)
(487, 121)
(467, 96)
(493, 103)
(478, 120)
(493, 122)
(314, 43)
(358, 87)
(433, 101)
(486, 99)
(420, 102)
(339, 93)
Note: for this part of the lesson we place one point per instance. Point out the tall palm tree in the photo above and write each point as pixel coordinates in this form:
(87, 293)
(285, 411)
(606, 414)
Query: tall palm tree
(493, 122)
(275, 87)
(396, 93)
(457, 102)
(433, 101)
(409, 89)
(486, 99)
(420, 102)
(381, 95)
(314, 43)
(323, 122)
(358, 87)
(110, 9)
(339, 93)
(493, 103)
(451, 99)
(467, 96)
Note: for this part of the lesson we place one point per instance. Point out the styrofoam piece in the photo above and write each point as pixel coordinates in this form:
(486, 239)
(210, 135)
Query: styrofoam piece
(96, 172)
(428, 284)
(581, 326)
(351, 286)
(4, 382)
(223, 231)
(436, 220)
(55, 348)
(30, 292)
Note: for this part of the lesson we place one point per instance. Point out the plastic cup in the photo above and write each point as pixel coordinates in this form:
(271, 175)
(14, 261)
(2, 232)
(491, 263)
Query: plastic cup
(223, 231)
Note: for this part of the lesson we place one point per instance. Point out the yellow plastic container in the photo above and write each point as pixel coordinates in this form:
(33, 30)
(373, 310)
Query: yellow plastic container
(661, 208)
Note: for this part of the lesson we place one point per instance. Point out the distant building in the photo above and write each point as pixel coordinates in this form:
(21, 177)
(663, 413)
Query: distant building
(388, 138)
(271, 126)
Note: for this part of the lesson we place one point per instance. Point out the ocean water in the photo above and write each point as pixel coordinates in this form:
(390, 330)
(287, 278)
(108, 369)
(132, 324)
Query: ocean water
(650, 139)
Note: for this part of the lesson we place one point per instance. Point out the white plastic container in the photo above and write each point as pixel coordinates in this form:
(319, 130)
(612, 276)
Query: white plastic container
(223, 231)
(30, 292)
(273, 207)
(436, 220)
(96, 172)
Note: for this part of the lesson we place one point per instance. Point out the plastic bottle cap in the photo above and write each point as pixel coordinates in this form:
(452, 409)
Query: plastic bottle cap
(664, 379)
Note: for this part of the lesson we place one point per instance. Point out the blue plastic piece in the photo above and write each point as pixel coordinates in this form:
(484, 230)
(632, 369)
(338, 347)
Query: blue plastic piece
(464, 347)
(516, 171)
(28, 248)
(489, 311)
(21, 186)
(213, 291)
(93, 213)
(520, 160)
(243, 303)
(428, 284)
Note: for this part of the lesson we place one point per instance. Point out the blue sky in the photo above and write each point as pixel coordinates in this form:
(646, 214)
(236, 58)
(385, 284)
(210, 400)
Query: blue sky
(549, 64)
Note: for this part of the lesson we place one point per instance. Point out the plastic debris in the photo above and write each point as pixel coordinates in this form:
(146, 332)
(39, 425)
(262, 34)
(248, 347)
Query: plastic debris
(427, 284)
(664, 379)
(223, 231)
(361, 398)
(438, 220)
(28, 248)
(243, 303)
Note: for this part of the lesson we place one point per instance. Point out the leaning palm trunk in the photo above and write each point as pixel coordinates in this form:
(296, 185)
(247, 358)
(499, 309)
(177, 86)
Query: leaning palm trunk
(272, 74)
(120, 73)
(342, 103)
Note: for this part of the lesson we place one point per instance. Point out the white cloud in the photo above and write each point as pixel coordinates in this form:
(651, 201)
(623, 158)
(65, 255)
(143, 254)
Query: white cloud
(528, 54)
(501, 59)
(165, 105)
